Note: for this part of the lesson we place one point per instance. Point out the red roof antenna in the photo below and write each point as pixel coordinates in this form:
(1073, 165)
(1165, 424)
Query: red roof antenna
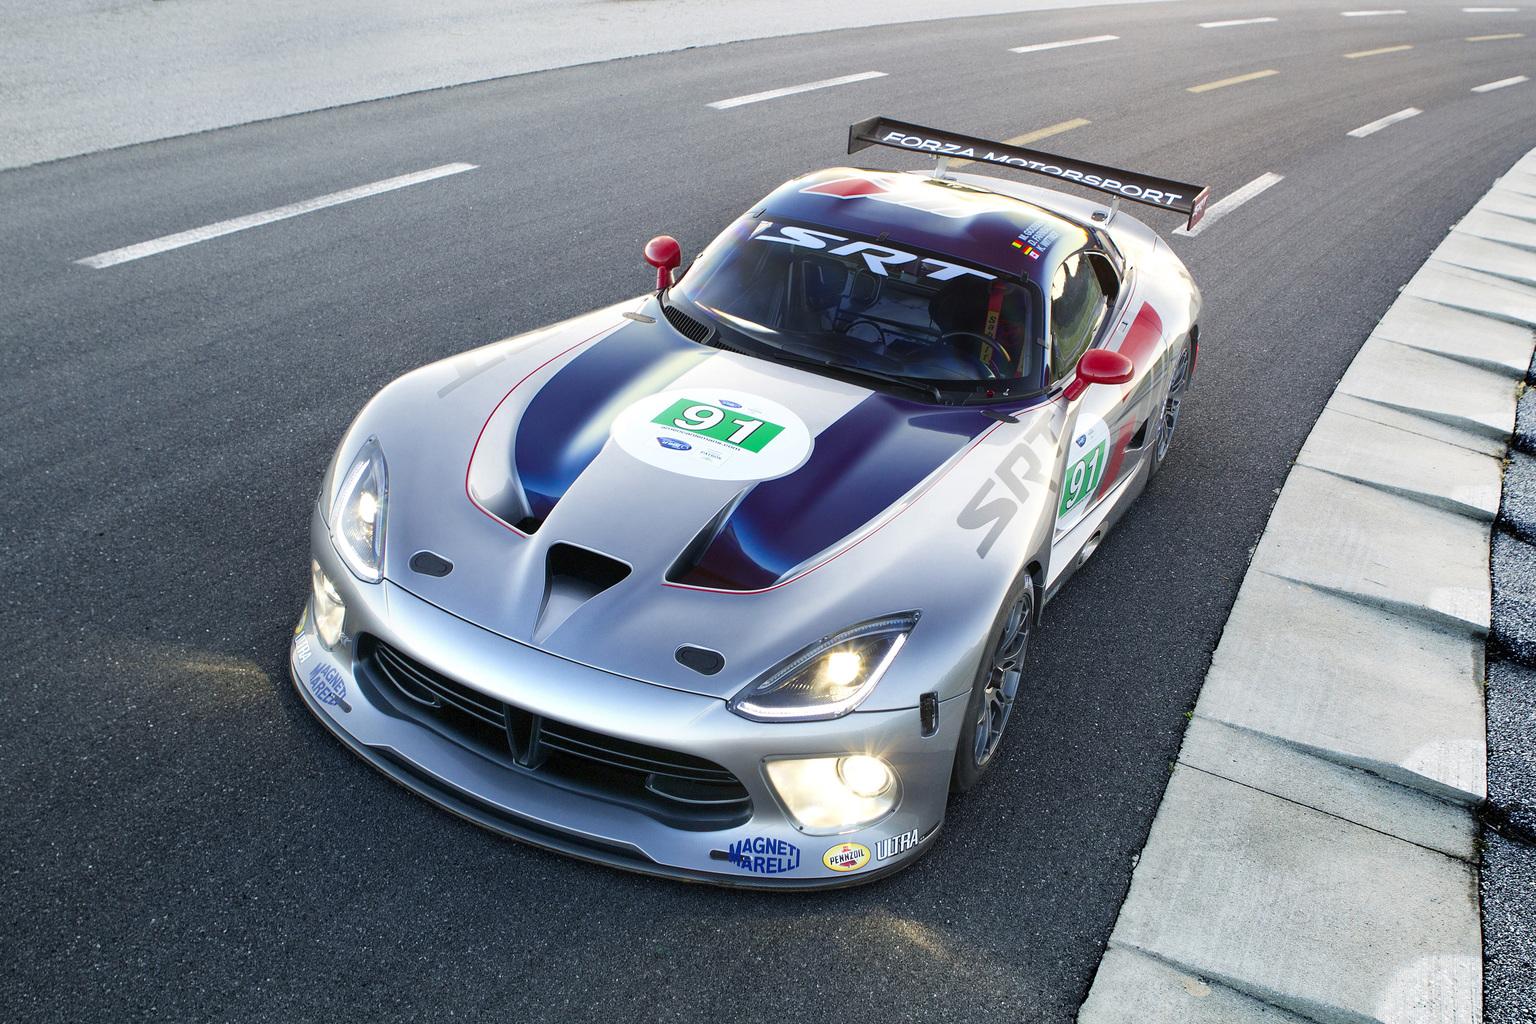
(663, 253)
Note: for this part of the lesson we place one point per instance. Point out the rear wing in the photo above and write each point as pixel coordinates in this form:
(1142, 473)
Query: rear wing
(1138, 188)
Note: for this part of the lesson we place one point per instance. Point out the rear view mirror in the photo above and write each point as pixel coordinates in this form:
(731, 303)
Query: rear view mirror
(663, 253)
(1100, 366)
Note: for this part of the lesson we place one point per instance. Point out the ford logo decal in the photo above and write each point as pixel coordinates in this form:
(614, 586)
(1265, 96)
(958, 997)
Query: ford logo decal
(674, 444)
(730, 404)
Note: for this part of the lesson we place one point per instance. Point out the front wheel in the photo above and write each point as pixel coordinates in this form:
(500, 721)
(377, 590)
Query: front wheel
(996, 685)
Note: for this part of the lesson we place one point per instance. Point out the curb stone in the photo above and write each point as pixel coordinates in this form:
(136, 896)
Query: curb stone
(1316, 854)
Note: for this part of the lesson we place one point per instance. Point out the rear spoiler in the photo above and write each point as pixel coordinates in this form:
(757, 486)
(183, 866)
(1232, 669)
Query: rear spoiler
(1138, 188)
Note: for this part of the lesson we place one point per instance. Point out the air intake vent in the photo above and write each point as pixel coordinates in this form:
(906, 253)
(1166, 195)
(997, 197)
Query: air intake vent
(576, 576)
(686, 325)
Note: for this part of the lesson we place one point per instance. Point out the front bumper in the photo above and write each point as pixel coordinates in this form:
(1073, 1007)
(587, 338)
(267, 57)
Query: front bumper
(470, 782)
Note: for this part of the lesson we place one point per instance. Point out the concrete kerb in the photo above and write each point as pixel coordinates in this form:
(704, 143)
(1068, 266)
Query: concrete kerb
(1315, 855)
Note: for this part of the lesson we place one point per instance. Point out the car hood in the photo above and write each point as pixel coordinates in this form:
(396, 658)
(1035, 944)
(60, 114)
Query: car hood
(565, 478)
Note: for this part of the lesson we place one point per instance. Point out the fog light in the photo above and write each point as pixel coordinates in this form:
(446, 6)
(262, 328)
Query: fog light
(864, 776)
(834, 794)
(328, 607)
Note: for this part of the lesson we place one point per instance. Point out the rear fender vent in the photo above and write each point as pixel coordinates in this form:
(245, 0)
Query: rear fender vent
(686, 325)
(574, 576)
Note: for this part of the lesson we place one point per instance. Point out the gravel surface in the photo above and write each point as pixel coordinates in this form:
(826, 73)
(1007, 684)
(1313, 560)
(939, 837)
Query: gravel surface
(1525, 419)
(1509, 931)
(1517, 509)
(1512, 746)
(1514, 599)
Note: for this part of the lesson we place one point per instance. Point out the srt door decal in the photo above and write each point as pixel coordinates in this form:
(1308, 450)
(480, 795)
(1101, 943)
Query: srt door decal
(1021, 466)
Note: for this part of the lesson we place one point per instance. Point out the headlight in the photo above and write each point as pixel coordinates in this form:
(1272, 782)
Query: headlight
(829, 678)
(358, 511)
(328, 606)
(835, 794)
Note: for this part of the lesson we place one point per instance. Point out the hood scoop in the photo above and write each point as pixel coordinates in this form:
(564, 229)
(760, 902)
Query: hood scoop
(573, 577)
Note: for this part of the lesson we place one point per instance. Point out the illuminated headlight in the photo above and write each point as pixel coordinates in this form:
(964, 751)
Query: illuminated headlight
(835, 794)
(358, 513)
(328, 607)
(829, 678)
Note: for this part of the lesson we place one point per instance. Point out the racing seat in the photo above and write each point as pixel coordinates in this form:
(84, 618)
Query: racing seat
(963, 307)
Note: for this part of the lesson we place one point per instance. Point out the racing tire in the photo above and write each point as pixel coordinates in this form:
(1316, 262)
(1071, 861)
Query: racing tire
(1168, 418)
(995, 687)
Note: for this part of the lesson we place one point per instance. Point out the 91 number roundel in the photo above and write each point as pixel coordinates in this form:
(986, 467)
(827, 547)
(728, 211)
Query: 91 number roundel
(715, 422)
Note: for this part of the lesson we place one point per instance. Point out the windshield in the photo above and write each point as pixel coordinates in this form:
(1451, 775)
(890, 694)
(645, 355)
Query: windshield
(867, 306)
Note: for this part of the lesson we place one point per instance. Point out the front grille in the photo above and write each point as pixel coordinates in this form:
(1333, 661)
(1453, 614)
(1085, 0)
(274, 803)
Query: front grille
(685, 325)
(677, 789)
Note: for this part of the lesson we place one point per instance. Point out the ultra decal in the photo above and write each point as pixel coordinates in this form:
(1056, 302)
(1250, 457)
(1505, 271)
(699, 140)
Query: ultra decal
(885, 849)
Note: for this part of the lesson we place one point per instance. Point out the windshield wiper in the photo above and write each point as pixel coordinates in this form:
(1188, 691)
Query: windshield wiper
(891, 378)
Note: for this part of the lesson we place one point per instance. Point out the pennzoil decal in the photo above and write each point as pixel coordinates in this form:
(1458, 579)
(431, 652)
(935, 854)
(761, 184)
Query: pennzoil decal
(846, 857)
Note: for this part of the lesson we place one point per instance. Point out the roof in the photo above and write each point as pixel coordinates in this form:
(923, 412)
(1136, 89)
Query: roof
(941, 216)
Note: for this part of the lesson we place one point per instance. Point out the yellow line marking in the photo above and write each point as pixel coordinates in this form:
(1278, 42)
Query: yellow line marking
(1506, 35)
(1372, 53)
(1208, 86)
(1034, 136)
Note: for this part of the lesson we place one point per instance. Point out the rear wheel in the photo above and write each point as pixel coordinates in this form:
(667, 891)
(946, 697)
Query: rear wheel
(996, 686)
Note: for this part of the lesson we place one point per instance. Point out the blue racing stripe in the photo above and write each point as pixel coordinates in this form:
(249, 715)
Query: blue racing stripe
(877, 452)
(567, 424)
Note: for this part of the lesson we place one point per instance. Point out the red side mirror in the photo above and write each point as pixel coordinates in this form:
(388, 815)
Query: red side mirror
(663, 253)
(1100, 366)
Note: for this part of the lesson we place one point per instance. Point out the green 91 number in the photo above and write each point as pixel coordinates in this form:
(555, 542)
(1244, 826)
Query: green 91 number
(731, 426)
(1082, 478)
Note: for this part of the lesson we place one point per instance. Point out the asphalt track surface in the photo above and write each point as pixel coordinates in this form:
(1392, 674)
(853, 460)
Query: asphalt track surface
(181, 840)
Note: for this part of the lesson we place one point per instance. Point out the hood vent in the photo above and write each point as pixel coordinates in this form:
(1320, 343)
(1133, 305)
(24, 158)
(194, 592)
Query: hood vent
(573, 577)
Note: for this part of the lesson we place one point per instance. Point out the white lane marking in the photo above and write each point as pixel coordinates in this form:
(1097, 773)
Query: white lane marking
(1505, 35)
(1368, 14)
(1239, 21)
(1227, 204)
(1490, 10)
(1500, 84)
(1380, 123)
(1036, 47)
(773, 94)
(226, 227)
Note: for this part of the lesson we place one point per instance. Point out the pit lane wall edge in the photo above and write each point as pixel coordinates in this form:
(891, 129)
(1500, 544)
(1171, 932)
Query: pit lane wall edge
(1315, 856)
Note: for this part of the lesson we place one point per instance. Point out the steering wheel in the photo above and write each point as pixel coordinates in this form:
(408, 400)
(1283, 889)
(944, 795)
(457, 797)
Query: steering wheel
(1000, 353)
(863, 327)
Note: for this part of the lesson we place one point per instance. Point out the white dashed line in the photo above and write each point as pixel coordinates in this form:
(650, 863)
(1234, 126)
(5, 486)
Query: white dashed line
(1227, 204)
(1240, 21)
(226, 227)
(1380, 123)
(1036, 47)
(1501, 83)
(1368, 14)
(773, 94)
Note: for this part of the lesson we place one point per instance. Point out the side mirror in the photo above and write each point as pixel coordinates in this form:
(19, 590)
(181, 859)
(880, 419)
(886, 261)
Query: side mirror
(663, 253)
(1100, 366)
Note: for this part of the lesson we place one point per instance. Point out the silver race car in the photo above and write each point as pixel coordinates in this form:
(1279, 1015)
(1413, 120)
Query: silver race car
(733, 582)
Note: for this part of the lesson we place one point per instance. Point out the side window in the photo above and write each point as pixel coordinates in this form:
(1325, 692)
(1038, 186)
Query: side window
(1078, 305)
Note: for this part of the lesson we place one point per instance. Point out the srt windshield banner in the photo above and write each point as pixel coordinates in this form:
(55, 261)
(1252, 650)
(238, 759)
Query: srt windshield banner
(1138, 188)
